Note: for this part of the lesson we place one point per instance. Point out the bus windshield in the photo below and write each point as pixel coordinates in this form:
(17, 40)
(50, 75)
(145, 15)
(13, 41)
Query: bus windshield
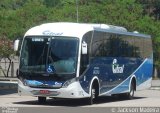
(49, 55)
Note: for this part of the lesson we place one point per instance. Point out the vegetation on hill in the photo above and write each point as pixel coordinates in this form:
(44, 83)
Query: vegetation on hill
(17, 16)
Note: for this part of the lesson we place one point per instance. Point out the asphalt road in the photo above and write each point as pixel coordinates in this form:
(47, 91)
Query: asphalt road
(144, 101)
(145, 98)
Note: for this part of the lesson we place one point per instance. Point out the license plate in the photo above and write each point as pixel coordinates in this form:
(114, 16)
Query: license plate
(44, 92)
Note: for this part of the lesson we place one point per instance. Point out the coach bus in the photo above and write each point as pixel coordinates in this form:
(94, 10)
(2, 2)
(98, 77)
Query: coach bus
(78, 60)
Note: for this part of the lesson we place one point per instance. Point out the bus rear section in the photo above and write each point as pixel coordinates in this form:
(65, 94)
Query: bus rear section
(117, 63)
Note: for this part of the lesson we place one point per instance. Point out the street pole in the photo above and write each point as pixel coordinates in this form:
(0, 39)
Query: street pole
(77, 10)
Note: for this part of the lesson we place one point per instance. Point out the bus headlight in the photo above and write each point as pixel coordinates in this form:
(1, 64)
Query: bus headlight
(67, 83)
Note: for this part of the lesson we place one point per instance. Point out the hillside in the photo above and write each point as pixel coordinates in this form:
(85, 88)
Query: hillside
(136, 15)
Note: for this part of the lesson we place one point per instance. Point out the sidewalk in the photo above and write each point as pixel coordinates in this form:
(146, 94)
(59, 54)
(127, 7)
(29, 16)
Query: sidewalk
(155, 84)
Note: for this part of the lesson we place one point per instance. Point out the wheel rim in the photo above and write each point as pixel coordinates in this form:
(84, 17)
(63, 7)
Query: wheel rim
(132, 90)
(93, 93)
(92, 96)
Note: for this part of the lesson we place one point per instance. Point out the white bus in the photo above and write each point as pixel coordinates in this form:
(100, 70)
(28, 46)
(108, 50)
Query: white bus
(76, 60)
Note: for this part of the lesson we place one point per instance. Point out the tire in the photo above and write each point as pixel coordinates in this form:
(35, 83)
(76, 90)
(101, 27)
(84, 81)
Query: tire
(130, 94)
(41, 100)
(93, 95)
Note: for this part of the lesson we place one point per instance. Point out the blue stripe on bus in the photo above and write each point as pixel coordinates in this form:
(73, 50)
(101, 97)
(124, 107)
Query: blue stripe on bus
(116, 82)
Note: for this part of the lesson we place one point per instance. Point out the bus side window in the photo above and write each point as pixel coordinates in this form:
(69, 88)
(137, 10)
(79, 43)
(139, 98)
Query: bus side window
(85, 57)
(84, 62)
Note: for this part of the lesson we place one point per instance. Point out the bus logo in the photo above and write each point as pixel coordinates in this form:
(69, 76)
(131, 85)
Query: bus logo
(116, 68)
(50, 33)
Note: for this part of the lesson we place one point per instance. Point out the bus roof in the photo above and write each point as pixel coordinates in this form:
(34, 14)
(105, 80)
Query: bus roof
(74, 29)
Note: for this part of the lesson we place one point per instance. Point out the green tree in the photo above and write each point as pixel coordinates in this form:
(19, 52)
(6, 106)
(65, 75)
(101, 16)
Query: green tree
(17, 16)
(5, 52)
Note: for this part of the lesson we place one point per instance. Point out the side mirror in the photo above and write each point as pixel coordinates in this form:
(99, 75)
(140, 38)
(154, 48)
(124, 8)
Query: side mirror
(16, 45)
(84, 47)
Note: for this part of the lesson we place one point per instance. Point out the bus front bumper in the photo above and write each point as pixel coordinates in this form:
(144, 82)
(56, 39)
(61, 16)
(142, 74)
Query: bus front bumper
(74, 90)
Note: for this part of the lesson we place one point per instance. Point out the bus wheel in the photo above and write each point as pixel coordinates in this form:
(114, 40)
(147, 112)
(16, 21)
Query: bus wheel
(93, 94)
(130, 94)
(41, 100)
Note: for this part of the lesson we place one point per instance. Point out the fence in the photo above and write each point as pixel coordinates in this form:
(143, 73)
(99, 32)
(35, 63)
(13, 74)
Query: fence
(5, 65)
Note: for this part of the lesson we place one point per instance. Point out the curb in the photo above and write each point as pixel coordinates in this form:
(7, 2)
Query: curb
(155, 88)
(7, 85)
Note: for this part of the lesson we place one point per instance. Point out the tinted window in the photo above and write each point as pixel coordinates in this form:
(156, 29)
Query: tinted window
(114, 45)
(85, 57)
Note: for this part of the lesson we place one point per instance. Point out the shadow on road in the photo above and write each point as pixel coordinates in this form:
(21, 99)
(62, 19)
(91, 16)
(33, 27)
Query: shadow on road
(74, 102)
